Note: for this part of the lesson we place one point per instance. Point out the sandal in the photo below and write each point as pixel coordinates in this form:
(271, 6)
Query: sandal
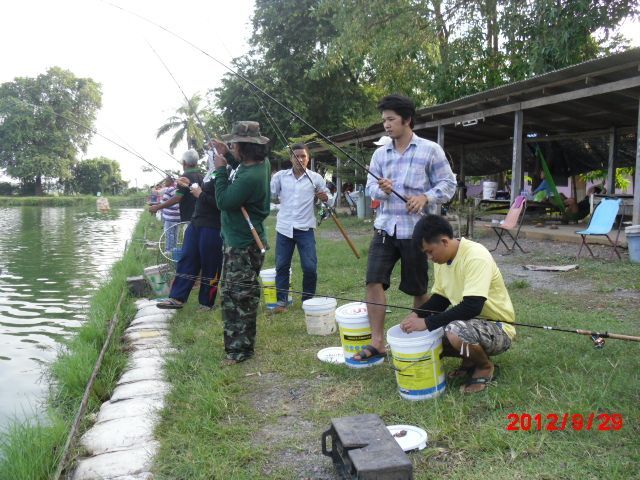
(170, 304)
(460, 372)
(372, 353)
(227, 362)
(484, 381)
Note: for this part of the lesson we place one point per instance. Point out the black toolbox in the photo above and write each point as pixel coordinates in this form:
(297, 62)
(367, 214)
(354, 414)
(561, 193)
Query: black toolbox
(362, 448)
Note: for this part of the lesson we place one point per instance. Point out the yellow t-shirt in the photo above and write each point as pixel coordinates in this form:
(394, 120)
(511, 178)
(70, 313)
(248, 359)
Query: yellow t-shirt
(473, 272)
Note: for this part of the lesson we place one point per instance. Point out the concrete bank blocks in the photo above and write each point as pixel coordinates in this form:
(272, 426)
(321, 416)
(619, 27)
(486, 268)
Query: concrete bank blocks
(120, 445)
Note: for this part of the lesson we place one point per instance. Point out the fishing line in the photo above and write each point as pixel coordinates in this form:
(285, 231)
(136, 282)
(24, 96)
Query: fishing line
(193, 110)
(263, 92)
(596, 336)
(283, 138)
(95, 132)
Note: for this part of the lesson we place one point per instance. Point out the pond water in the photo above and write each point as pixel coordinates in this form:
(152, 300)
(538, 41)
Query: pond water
(52, 260)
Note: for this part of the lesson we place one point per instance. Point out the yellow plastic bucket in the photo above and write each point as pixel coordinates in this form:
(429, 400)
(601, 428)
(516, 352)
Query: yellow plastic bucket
(416, 359)
(269, 293)
(355, 333)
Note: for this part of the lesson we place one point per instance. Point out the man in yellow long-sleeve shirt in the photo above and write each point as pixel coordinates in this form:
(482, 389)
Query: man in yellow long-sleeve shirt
(467, 279)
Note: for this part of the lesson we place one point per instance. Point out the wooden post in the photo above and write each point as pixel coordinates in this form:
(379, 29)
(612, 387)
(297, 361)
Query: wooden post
(636, 183)
(338, 184)
(462, 193)
(611, 170)
(441, 136)
(516, 167)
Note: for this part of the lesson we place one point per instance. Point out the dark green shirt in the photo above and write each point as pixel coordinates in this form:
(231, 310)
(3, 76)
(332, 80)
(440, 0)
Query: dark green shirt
(249, 188)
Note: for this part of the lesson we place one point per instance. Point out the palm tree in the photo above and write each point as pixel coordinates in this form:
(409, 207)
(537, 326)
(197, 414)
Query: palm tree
(184, 122)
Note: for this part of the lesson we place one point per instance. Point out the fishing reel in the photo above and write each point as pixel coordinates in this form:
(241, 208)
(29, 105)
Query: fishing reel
(598, 341)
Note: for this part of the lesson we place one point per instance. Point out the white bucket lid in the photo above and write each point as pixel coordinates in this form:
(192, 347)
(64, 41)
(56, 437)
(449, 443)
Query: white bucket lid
(352, 311)
(397, 336)
(632, 229)
(409, 437)
(319, 302)
(268, 272)
(331, 355)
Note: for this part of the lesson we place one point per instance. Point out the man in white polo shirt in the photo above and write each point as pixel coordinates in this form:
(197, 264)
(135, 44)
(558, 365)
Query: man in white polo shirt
(296, 223)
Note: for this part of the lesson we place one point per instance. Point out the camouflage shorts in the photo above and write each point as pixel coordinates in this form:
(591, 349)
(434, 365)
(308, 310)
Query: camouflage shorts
(489, 335)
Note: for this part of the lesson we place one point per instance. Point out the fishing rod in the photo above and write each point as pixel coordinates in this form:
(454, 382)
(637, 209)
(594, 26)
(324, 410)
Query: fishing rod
(263, 92)
(170, 156)
(193, 110)
(275, 126)
(331, 210)
(597, 337)
(245, 214)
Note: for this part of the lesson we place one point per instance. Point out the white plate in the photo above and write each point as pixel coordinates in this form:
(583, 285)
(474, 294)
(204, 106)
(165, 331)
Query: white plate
(415, 439)
(331, 355)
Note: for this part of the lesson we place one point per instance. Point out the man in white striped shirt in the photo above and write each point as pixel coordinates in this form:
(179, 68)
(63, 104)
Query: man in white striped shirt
(296, 223)
(418, 170)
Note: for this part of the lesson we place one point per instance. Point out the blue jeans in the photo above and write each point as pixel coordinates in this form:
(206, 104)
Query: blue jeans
(170, 235)
(201, 252)
(306, 243)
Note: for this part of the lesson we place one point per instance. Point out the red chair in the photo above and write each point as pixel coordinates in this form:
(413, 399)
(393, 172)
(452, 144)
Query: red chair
(511, 223)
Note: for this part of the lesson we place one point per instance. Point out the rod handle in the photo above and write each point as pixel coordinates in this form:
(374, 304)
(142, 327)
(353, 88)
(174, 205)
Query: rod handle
(256, 237)
(344, 233)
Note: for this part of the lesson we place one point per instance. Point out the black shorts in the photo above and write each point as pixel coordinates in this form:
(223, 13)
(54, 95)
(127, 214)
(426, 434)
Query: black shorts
(384, 252)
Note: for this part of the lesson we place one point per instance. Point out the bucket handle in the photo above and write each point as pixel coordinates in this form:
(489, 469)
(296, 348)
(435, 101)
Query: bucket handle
(324, 444)
(393, 367)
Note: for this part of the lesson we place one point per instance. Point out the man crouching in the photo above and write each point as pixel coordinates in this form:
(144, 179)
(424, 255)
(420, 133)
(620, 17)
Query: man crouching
(467, 279)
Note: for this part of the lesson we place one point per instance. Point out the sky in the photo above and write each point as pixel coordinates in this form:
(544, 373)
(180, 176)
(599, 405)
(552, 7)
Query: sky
(93, 39)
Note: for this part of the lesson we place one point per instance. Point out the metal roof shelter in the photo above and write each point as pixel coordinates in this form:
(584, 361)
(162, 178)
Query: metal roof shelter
(584, 117)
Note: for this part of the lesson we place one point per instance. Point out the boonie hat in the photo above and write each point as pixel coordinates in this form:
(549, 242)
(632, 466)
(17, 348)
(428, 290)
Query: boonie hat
(245, 132)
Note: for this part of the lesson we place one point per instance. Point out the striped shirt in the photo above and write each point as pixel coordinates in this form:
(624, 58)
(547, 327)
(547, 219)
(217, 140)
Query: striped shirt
(422, 169)
(172, 213)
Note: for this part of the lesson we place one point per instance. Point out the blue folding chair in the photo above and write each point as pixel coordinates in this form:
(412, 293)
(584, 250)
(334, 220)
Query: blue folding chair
(601, 224)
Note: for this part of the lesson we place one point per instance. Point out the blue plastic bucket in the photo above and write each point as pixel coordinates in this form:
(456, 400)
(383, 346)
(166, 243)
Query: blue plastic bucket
(633, 241)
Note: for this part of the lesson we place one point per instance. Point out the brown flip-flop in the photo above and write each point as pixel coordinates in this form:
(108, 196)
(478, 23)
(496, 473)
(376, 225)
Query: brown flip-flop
(170, 304)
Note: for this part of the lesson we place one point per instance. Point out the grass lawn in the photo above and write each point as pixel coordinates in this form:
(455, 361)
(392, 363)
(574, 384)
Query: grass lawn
(264, 418)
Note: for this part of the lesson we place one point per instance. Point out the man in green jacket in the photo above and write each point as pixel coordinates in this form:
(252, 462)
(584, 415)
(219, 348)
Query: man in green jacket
(247, 186)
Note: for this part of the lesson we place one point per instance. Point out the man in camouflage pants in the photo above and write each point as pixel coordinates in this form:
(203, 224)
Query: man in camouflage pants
(248, 187)
(240, 300)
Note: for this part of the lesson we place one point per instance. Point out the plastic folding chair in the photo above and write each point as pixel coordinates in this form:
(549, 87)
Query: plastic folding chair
(511, 223)
(601, 224)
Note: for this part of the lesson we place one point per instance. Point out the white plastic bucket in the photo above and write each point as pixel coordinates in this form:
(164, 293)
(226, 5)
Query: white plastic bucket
(355, 333)
(158, 278)
(416, 358)
(320, 315)
(633, 242)
(269, 292)
(489, 190)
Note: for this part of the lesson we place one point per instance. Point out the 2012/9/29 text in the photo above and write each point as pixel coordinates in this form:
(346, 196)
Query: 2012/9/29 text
(552, 422)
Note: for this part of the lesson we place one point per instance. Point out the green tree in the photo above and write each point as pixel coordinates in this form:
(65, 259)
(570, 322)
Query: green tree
(545, 35)
(439, 50)
(284, 50)
(98, 175)
(44, 122)
(185, 124)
